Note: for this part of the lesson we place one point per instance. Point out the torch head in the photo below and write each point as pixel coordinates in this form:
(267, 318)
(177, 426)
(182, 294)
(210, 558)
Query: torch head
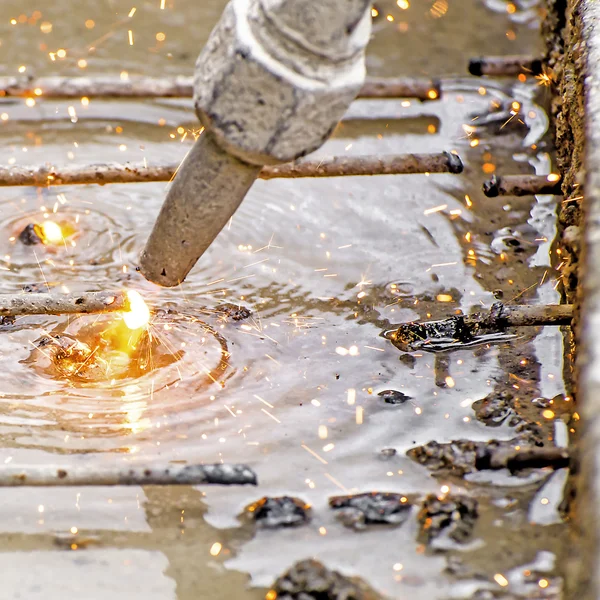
(273, 80)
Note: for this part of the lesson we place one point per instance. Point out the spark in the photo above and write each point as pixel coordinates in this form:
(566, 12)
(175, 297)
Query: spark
(270, 415)
(271, 358)
(130, 33)
(314, 454)
(359, 415)
(544, 78)
(337, 483)
(435, 209)
(263, 400)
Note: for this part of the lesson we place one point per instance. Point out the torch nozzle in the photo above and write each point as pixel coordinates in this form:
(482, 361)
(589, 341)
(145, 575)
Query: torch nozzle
(209, 186)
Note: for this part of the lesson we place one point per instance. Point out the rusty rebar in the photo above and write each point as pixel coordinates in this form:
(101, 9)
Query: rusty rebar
(92, 475)
(337, 166)
(522, 316)
(522, 185)
(524, 458)
(460, 331)
(113, 86)
(15, 305)
(510, 65)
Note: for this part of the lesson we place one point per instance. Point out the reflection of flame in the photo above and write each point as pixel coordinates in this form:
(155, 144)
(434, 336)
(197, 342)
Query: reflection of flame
(135, 405)
(51, 232)
(138, 314)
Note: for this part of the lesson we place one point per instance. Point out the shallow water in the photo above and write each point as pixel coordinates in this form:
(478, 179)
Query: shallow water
(325, 266)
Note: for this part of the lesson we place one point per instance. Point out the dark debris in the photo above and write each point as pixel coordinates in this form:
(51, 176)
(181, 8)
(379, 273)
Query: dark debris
(394, 396)
(310, 580)
(387, 453)
(31, 235)
(452, 516)
(236, 312)
(283, 511)
(496, 408)
(358, 511)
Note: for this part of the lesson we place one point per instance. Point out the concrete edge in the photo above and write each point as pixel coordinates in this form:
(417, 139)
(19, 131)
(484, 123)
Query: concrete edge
(584, 581)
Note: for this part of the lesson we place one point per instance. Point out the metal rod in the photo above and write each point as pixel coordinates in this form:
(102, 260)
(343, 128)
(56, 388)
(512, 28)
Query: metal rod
(525, 458)
(524, 316)
(112, 86)
(337, 166)
(91, 475)
(522, 185)
(460, 331)
(15, 305)
(505, 65)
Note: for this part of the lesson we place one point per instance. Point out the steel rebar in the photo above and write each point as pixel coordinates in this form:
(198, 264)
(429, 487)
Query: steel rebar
(499, 66)
(90, 475)
(337, 166)
(460, 331)
(15, 305)
(113, 86)
(524, 458)
(524, 316)
(522, 185)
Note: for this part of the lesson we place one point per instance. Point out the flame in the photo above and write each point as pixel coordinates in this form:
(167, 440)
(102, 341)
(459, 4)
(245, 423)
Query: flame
(138, 315)
(51, 232)
(123, 335)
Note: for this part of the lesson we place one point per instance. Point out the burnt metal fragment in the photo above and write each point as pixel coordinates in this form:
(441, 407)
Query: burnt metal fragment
(7, 321)
(31, 235)
(457, 457)
(235, 312)
(496, 408)
(311, 580)
(387, 453)
(35, 288)
(283, 511)
(461, 331)
(393, 396)
(358, 511)
(452, 516)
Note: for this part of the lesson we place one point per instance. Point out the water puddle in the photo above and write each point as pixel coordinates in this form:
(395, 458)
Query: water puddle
(271, 354)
